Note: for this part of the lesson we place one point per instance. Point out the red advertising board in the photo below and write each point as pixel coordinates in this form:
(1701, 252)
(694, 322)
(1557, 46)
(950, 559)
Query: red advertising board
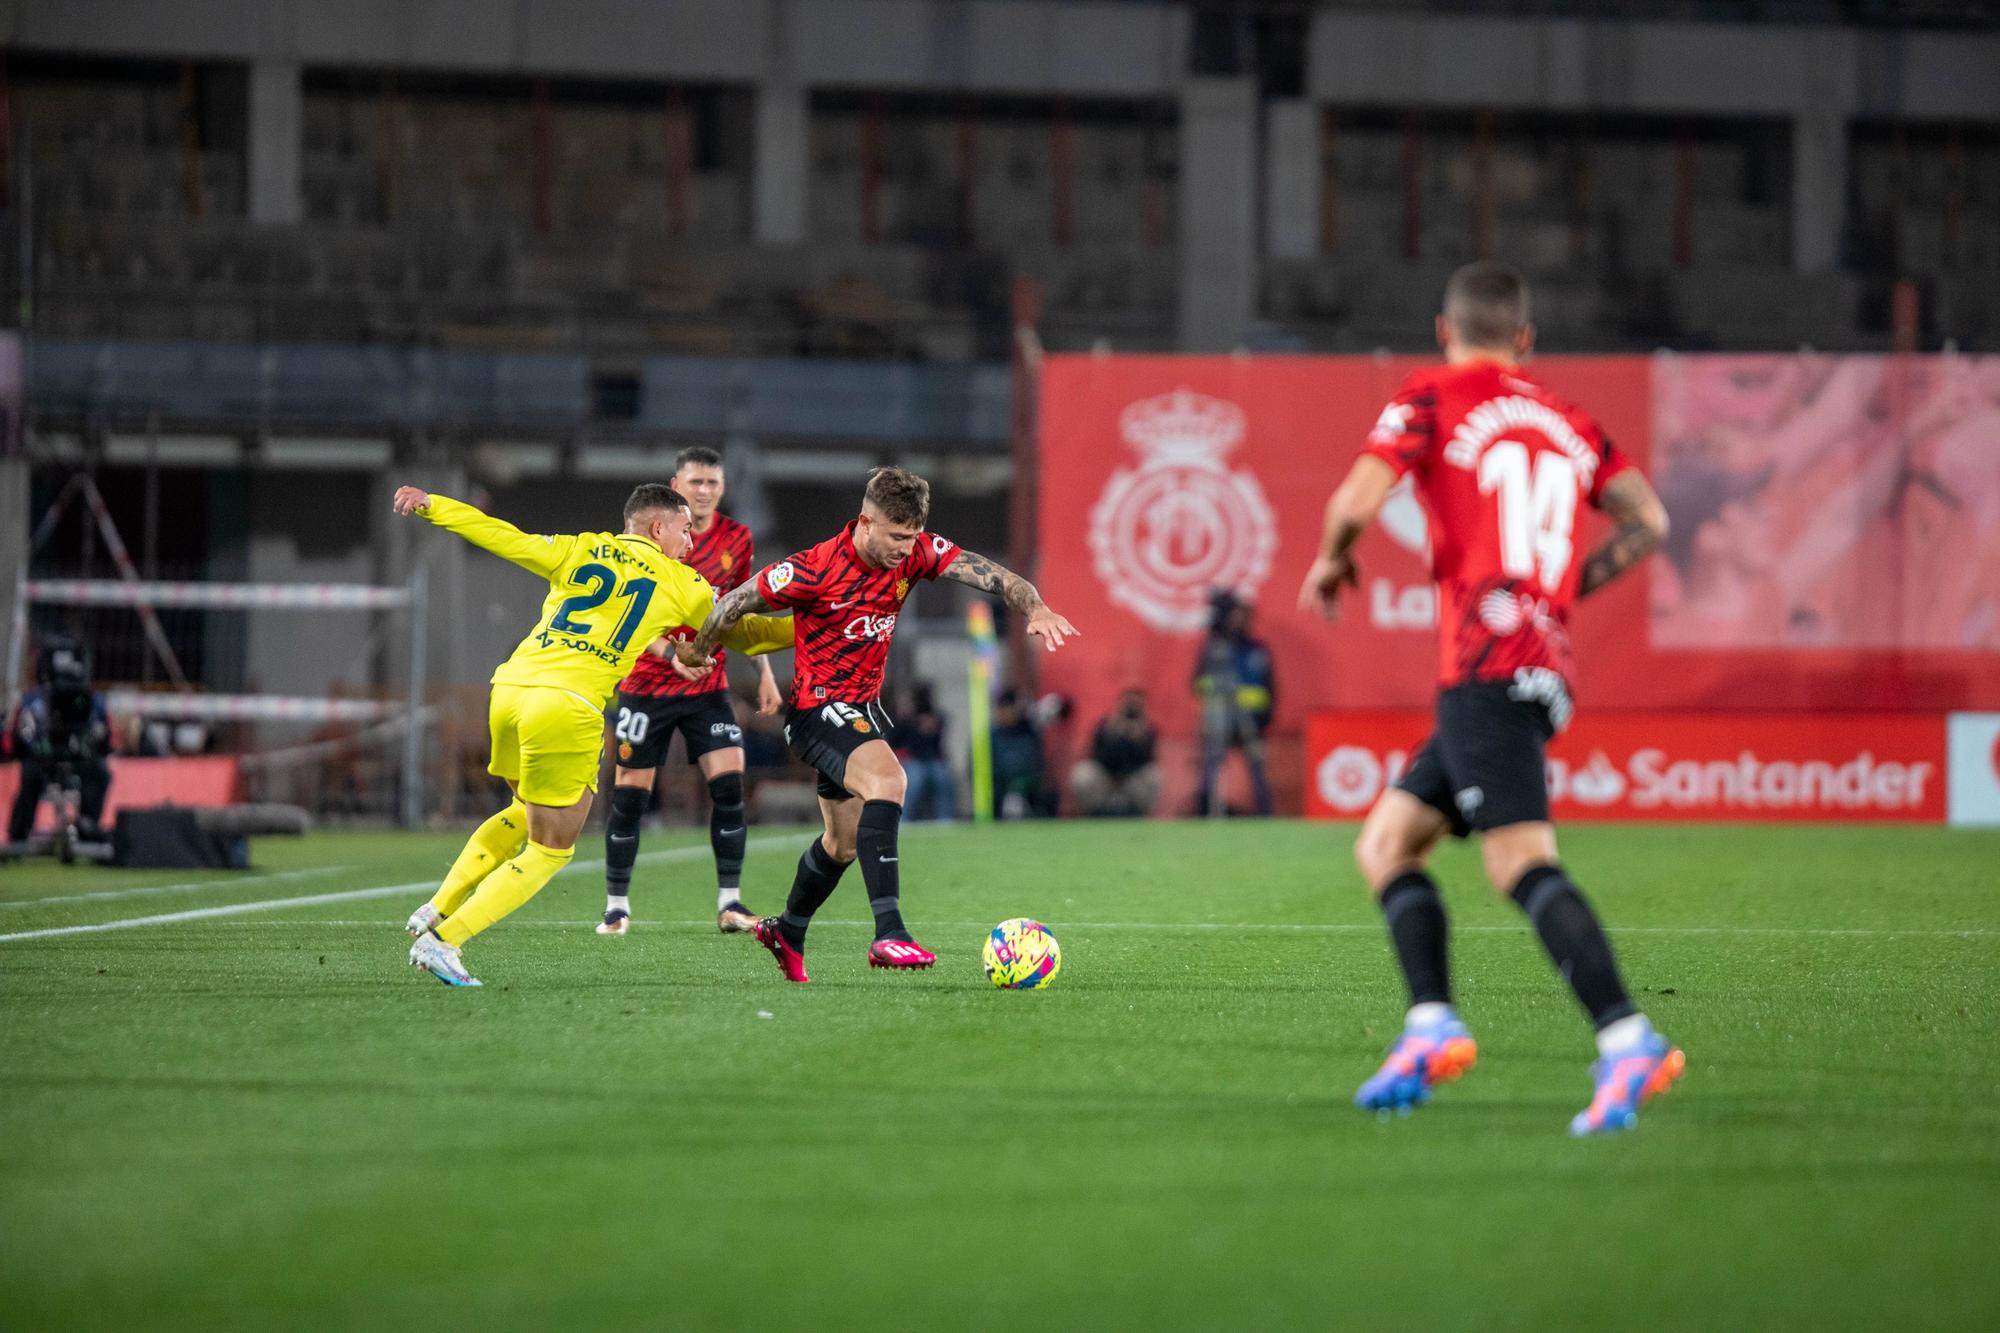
(202, 780)
(1672, 766)
(1803, 573)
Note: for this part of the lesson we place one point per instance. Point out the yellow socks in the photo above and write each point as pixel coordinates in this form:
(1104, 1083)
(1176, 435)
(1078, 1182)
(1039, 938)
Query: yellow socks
(492, 844)
(504, 890)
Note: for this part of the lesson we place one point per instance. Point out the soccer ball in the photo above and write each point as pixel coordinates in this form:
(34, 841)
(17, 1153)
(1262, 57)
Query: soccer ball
(1022, 955)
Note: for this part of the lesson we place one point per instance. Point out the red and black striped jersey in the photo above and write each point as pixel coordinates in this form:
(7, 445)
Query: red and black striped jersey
(845, 613)
(1501, 465)
(724, 555)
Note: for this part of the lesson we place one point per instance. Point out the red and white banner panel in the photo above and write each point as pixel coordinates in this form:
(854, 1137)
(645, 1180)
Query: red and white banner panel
(1833, 546)
(1671, 766)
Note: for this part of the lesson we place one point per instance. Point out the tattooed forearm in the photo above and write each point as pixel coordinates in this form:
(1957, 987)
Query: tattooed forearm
(976, 571)
(1625, 548)
(739, 602)
(1641, 526)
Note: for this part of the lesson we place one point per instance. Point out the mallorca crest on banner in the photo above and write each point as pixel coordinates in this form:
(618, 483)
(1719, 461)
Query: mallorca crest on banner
(1180, 525)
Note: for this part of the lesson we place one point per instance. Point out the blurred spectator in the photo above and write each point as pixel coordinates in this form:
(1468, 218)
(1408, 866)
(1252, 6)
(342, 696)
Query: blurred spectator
(1017, 761)
(60, 733)
(1237, 689)
(919, 739)
(143, 739)
(1121, 777)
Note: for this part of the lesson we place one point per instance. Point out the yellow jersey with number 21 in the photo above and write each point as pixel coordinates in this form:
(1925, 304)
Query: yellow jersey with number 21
(610, 595)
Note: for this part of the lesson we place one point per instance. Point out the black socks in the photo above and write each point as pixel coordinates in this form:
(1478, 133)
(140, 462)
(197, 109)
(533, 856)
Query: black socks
(727, 833)
(1417, 929)
(881, 867)
(818, 875)
(1574, 939)
(726, 828)
(621, 837)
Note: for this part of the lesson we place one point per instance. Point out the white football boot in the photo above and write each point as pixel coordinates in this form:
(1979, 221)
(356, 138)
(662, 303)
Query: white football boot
(424, 919)
(431, 954)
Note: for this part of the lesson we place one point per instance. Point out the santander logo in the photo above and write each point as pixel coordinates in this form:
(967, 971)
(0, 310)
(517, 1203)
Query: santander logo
(1695, 766)
(869, 627)
(1351, 777)
(1653, 778)
(1597, 783)
(1751, 782)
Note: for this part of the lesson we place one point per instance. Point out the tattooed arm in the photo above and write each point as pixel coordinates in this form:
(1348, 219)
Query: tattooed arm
(976, 571)
(1639, 526)
(740, 601)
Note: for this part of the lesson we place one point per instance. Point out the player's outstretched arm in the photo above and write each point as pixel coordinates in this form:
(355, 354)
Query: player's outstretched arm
(1348, 515)
(976, 571)
(538, 555)
(1639, 526)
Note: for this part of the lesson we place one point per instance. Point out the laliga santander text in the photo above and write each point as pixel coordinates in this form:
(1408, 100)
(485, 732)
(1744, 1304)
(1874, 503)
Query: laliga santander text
(1667, 766)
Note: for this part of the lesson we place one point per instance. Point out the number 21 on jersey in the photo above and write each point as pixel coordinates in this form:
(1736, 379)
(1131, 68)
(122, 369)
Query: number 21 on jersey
(600, 580)
(1537, 497)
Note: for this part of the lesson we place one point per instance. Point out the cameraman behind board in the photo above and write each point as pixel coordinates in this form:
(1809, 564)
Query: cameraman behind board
(62, 737)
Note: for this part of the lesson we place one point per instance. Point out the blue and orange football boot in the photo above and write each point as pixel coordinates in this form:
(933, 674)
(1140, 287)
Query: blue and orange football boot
(1422, 1058)
(1627, 1081)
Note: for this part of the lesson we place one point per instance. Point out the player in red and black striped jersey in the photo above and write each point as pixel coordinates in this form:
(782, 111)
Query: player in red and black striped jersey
(845, 595)
(655, 702)
(1502, 466)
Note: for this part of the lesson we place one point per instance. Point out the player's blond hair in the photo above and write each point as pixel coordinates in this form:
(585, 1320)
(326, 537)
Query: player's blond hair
(901, 495)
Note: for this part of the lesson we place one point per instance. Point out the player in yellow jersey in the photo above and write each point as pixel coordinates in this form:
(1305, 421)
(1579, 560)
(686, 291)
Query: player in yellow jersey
(611, 597)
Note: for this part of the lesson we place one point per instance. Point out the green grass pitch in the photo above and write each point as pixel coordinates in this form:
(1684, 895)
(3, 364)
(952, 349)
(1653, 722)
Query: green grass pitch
(267, 1120)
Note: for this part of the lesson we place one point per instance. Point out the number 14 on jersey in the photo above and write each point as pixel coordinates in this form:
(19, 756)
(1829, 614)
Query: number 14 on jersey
(1537, 497)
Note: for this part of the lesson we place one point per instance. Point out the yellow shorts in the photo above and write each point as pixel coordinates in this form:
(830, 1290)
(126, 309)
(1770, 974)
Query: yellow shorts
(546, 741)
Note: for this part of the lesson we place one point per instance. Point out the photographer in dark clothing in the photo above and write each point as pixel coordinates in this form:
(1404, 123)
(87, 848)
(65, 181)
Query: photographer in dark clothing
(61, 735)
(1122, 775)
(1237, 688)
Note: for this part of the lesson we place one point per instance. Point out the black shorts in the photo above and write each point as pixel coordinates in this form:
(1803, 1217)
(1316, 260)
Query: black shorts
(1485, 764)
(825, 734)
(647, 722)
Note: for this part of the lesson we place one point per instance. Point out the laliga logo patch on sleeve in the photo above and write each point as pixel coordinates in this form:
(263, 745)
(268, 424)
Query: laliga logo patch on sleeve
(940, 545)
(780, 575)
(1394, 421)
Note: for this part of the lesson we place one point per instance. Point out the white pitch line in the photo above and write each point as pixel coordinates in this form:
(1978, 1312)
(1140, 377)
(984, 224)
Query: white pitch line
(1300, 927)
(313, 899)
(1506, 930)
(105, 895)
